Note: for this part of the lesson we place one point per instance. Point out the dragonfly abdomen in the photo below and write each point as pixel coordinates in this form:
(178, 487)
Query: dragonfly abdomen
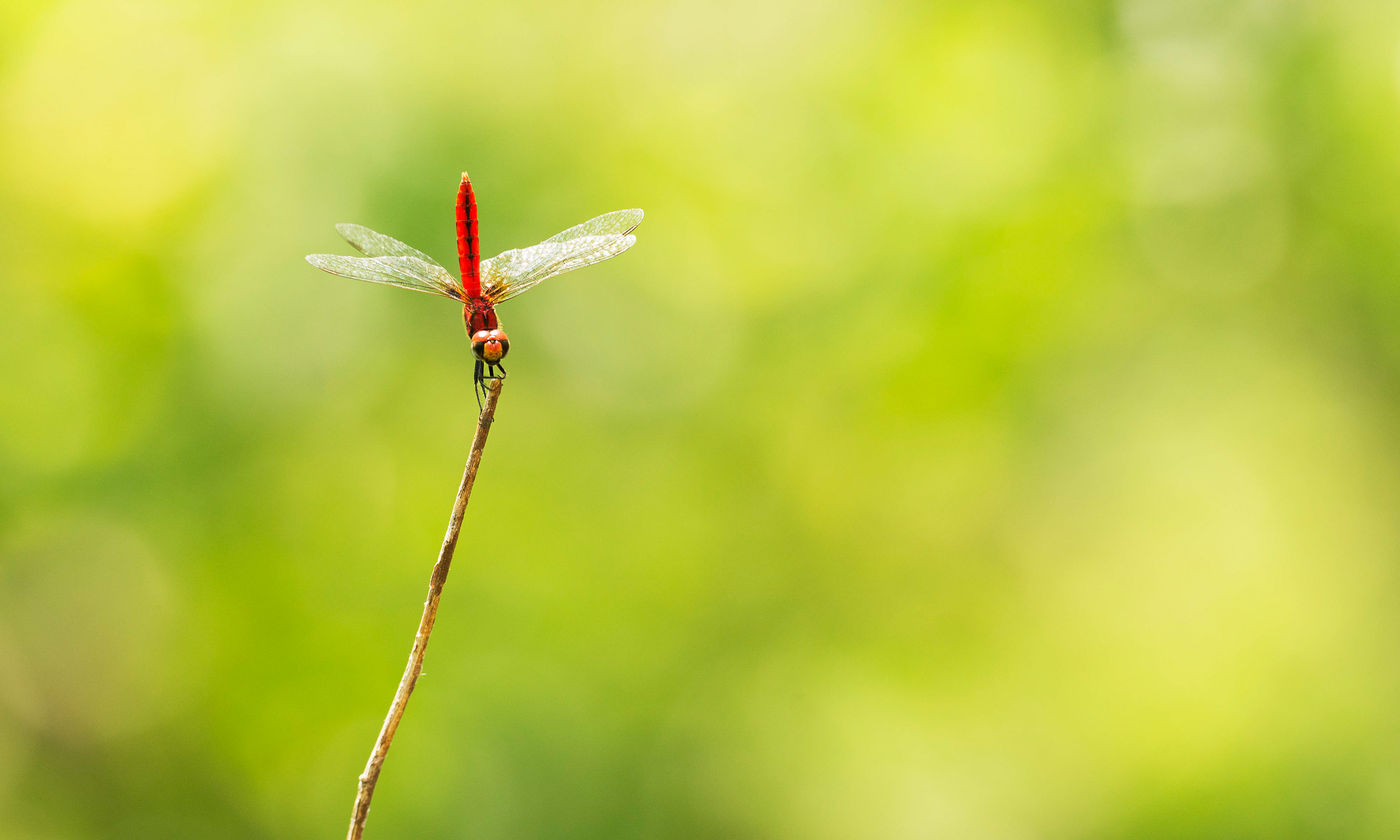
(468, 248)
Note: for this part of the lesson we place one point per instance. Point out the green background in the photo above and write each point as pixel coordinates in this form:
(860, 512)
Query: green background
(992, 435)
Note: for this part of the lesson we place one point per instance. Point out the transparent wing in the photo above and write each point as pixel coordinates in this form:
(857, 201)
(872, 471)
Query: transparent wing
(618, 221)
(511, 272)
(374, 244)
(508, 274)
(406, 272)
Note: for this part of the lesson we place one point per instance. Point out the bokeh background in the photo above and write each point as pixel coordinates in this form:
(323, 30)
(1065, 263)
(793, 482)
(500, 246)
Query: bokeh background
(994, 434)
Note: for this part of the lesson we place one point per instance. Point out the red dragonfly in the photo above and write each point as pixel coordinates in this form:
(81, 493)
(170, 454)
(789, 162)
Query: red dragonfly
(483, 285)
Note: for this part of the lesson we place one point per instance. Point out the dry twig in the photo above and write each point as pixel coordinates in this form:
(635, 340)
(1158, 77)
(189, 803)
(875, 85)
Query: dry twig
(425, 624)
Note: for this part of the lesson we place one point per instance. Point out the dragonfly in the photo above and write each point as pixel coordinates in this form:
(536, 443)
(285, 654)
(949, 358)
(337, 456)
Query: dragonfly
(481, 285)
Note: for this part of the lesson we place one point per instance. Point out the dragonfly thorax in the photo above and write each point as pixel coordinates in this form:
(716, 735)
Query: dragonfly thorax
(480, 316)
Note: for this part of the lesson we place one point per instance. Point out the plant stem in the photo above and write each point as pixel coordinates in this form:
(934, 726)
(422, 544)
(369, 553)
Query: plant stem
(425, 624)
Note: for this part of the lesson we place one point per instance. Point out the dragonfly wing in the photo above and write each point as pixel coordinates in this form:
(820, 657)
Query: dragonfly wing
(428, 272)
(511, 272)
(404, 272)
(375, 244)
(618, 222)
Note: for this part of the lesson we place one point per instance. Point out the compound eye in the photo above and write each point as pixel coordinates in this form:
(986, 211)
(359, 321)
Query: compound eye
(479, 339)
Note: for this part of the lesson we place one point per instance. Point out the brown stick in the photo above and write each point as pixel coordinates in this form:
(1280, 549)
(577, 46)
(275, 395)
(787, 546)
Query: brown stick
(425, 624)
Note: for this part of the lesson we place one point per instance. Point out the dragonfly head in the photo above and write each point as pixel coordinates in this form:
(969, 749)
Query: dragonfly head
(490, 346)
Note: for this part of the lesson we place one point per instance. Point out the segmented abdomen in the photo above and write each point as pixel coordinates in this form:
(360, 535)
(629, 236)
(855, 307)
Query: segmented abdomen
(468, 250)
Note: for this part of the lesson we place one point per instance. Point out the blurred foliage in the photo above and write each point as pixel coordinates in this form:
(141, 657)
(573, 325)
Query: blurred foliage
(993, 434)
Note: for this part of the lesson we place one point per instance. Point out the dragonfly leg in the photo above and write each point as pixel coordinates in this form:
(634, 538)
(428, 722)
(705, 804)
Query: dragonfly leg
(478, 382)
